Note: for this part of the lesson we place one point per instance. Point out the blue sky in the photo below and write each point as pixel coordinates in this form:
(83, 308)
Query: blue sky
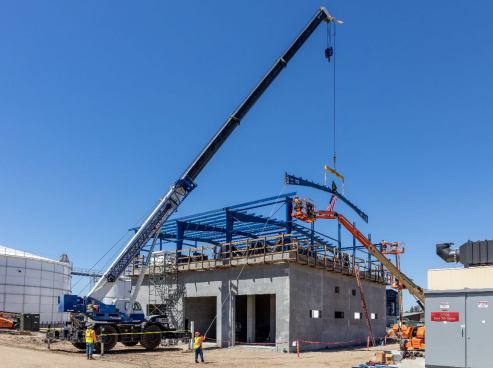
(103, 105)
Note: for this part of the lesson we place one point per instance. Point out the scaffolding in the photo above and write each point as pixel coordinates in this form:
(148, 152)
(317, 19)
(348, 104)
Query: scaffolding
(164, 290)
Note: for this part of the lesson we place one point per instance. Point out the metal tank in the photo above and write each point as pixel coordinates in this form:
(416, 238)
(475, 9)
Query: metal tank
(32, 284)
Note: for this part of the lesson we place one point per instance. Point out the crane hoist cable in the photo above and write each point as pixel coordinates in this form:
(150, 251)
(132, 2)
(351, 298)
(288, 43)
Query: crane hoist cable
(329, 52)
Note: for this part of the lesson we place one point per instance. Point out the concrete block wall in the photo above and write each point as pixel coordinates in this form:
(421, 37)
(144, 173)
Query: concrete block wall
(254, 280)
(315, 289)
(297, 289)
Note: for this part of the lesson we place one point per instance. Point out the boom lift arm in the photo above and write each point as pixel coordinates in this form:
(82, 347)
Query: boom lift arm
(306, 211)
(185, 184)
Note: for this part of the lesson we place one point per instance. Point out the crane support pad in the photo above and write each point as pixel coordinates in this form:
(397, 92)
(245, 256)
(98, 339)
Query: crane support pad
(294, 180)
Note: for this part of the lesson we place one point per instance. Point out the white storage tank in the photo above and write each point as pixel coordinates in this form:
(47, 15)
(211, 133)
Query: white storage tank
(32, 284)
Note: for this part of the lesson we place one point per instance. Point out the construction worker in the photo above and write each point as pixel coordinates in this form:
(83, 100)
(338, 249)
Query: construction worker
(90, 341)
(198, 347)
(297, 203)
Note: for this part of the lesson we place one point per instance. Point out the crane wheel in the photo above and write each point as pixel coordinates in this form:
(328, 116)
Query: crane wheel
(151, 340)
(109, 341)
(402, 345)
(130, 343)
(80, 345)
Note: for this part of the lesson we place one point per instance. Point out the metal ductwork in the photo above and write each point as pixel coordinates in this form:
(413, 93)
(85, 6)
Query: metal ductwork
(478, 253)
(447, 254)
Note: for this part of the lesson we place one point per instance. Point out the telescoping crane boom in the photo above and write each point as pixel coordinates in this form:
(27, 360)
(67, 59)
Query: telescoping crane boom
(304, 210)
(118, 318)
(185, 184)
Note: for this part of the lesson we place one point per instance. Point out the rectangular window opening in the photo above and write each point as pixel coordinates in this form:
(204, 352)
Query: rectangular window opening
(374, 316)
(339, 315)
(337, 289)
(358, 315)
(354, 291)
(315, 313)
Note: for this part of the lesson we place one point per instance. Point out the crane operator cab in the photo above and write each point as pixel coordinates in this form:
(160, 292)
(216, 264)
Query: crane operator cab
(137, 314)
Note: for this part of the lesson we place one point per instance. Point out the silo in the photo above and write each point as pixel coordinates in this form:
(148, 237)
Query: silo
(32, 284)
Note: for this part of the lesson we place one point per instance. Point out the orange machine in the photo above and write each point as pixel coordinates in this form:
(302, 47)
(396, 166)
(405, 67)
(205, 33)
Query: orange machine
(6, 323)
(413, 337)
(395, 248)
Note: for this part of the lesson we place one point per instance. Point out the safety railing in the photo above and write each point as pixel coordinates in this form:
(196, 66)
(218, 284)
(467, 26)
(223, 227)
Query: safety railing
(272, 249)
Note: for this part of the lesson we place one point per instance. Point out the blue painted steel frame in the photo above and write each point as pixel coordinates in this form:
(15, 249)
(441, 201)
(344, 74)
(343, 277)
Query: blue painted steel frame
(294, 180)
(235, 223)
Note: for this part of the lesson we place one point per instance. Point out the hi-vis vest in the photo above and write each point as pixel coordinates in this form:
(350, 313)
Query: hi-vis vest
(198, 342)
(90, 336)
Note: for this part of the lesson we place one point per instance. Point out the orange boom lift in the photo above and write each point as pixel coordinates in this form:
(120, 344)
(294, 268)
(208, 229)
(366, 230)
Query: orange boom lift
(305, 210)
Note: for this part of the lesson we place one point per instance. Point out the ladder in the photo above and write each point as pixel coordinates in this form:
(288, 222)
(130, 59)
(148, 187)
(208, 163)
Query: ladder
(363, 303)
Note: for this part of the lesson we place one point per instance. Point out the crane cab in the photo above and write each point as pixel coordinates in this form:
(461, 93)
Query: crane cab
(136, 314)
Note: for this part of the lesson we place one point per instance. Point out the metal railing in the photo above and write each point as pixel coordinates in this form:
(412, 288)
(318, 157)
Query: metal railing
(272, 249)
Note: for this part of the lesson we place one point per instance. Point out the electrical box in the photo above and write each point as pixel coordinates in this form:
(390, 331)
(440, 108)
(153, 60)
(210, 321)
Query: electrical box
(35, 322)
(458, 328)
(25, 322)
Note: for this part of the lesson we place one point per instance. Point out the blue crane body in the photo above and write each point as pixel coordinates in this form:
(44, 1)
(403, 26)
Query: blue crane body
(126, 315)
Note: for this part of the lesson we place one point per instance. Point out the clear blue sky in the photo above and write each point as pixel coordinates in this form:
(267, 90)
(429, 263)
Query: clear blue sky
(104, 104)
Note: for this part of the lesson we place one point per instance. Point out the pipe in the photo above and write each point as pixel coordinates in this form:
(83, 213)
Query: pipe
(447, 254)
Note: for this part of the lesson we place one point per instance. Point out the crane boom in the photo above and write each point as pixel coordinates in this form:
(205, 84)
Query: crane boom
(185, 184)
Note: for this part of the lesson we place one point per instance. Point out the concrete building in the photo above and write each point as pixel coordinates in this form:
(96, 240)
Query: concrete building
(283, 296)
(255, 279)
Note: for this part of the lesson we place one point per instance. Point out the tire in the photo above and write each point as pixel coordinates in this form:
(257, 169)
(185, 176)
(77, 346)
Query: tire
(130, 343)
(80, 345)
(402, 345)
(109, 341)
(151, 340)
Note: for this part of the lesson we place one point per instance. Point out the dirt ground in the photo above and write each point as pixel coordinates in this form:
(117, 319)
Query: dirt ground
(31, 351)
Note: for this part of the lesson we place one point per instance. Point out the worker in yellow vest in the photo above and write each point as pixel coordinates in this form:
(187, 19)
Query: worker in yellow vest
(90, 340)
(298, 204)
(198, 347)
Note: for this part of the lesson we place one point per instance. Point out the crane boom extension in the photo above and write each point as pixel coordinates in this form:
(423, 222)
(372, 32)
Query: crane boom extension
(185, 184)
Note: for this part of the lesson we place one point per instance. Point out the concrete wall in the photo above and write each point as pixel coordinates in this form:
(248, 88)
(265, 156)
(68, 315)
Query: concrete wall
(314, 289)
(264, 279)
(201, 311)
(296, 289)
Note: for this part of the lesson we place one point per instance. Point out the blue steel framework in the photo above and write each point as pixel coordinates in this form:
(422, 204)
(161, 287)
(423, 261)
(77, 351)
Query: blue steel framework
(238, 222)
(294, 180)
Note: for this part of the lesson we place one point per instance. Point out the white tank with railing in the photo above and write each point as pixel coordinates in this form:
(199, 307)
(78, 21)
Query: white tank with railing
(31, 283)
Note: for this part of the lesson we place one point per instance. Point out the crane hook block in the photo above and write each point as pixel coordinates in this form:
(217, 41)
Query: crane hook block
(329, 52)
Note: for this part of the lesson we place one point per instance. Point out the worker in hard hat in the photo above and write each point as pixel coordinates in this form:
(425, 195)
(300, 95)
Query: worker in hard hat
(90, 341)
(298, 204)
(198, 347)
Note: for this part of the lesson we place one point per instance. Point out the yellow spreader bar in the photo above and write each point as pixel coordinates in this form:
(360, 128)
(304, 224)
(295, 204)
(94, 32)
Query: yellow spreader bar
(332, 171)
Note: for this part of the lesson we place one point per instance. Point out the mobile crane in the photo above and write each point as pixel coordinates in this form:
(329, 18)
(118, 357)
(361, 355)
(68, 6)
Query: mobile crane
(124, 320)
(305, 210)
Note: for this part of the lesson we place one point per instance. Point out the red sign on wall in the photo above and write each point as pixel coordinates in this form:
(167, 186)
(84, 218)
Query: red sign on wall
(445, 316)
